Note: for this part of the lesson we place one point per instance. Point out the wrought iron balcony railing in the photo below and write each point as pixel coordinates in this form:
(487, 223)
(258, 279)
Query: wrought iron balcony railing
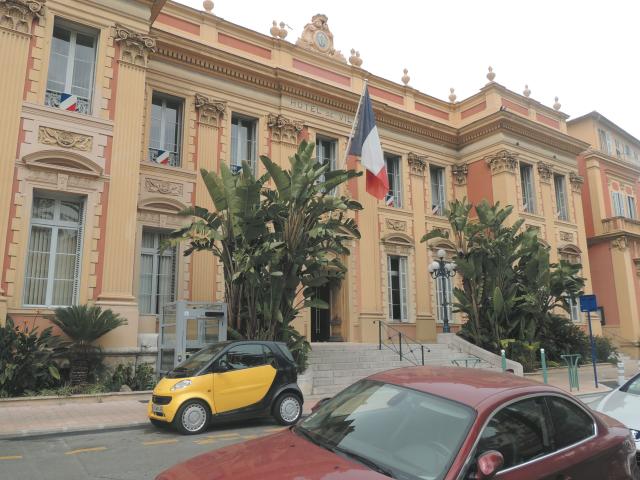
(53, 98)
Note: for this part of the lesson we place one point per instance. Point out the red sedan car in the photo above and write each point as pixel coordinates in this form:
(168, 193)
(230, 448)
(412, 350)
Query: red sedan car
(427, 423)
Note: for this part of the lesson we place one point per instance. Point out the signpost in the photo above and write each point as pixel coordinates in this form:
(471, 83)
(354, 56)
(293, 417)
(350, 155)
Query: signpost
(588, 303)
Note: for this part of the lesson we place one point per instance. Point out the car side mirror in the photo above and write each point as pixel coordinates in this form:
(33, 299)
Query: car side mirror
(221, 366)
(488, 464)
(319, 404)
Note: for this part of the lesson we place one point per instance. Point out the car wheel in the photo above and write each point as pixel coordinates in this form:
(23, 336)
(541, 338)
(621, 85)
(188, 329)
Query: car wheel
(192, 418)
(287, 409)
(158, 423)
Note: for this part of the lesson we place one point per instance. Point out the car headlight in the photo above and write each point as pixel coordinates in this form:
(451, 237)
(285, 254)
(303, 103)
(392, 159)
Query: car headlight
(635, 434)
(180, 385)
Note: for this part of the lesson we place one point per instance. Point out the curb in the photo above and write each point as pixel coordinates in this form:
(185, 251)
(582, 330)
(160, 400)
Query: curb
(83, 398)
(64, 431)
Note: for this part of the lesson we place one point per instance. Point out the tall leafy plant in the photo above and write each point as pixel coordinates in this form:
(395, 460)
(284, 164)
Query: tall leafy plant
(27, 359)
(510, 290)
(84, 324)
(278, 237)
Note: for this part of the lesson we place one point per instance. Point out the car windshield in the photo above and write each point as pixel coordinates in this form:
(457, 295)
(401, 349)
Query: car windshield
(400, 432)
(192, 365)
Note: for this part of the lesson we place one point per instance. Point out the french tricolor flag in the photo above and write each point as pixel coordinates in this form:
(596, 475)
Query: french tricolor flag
(68, 102)
(366, 145)
(162, 158)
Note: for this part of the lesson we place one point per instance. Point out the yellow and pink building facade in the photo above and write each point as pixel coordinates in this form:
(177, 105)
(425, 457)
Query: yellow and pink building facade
(110, 112)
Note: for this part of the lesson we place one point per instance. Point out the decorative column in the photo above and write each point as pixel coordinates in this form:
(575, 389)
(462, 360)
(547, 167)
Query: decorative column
(284, 137)
(624, 269)
(16, 20)
(548, 207)
(425, 321)
(503, 166)
(121, 225)
(203, 265)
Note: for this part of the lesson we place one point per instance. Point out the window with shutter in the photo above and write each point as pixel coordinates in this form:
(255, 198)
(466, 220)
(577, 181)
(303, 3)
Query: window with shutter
(157, 273)
(561, 197)
(397, 287)
(52, 273)
(166, 130)
(438, 190)
(394, 197)
(528, 191)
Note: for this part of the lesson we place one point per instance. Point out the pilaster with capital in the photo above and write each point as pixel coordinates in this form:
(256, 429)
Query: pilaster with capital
(545, 172)
(210, 111)
(118, 283)
(205, 270)
(502, 161)
(16, 19)
(135, 47)
(576, 182)
(417, 164)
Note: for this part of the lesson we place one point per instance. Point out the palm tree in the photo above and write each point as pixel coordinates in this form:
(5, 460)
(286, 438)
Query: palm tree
(84, 324)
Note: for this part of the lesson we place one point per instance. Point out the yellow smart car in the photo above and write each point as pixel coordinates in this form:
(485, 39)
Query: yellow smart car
(238, 379)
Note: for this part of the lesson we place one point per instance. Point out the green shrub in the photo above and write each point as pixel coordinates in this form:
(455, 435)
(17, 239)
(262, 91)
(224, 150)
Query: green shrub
(27, 359)
(605, 350)
(140, 378)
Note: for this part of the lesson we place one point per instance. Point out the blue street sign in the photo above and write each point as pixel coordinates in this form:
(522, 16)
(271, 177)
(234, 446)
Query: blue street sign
(588, 303)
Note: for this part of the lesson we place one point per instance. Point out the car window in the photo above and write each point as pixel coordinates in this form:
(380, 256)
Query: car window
(270, 358)
(245, 356)
(518, 431)
(632, 386)
(571, 424)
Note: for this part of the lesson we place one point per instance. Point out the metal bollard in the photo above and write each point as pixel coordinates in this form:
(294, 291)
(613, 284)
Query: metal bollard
(620, 373)
(504, 360)
(543, 361)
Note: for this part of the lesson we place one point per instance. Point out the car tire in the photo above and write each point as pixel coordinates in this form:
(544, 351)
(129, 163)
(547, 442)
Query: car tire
(287, 409)
(158, 423)
(193, 417)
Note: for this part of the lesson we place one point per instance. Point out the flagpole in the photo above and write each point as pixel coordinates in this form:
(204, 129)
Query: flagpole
(355, 119)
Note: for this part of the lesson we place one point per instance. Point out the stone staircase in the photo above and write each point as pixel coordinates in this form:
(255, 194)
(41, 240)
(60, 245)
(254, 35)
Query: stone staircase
(334, 366)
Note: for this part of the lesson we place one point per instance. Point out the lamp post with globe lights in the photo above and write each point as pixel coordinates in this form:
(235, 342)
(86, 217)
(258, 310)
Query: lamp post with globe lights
(440, 268)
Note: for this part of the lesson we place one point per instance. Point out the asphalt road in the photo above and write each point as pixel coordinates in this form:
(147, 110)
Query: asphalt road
(134, 454)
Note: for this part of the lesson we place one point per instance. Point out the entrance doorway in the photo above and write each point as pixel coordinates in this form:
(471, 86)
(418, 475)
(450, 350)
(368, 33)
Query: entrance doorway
(321, 317)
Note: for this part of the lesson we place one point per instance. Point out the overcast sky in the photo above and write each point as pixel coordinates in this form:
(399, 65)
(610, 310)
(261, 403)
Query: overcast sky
(585, 52)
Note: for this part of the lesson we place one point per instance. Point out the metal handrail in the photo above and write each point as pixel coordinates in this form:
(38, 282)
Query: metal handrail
(398, 349)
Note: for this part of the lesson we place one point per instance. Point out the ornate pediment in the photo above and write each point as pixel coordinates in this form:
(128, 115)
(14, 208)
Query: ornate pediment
(134, 47)
(502, 161)
(317, 37)
(64, 161)
(284, 130)
(210, 110)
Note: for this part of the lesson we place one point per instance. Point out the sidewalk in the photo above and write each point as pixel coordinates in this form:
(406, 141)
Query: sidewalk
(37, 417)
(65, 416)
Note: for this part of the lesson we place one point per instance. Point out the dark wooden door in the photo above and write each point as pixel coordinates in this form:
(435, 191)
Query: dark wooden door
(321, 317)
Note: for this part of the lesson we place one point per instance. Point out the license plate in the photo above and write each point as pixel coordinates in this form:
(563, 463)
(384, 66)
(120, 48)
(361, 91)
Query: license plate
(156, 409)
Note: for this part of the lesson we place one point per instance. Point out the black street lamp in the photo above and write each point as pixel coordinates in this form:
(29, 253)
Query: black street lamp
(440, 268)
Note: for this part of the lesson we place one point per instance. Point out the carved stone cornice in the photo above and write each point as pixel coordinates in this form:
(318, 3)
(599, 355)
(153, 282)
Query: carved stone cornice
(621, 243)
(154, 185)
(502, 161)
(545, 171)
(17, 15)
(283, 129)
(134, 47)
(417, 164)
(459, 173)
(576, 182)
(65, 139)
(210, 110)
